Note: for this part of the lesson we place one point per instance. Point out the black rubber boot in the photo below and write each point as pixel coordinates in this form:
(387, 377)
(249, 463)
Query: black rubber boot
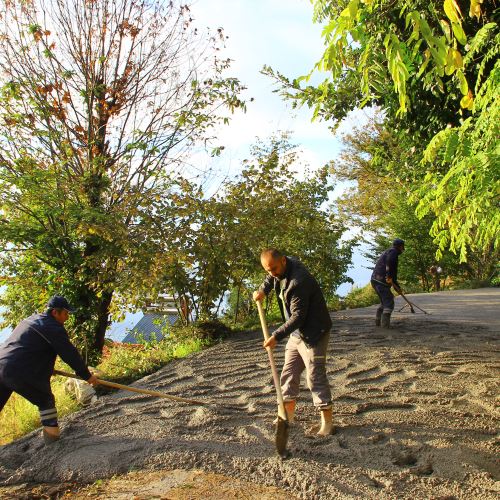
(386, 320)
(378, 317)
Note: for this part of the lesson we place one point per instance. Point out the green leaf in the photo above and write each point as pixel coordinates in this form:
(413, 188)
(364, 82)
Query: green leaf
(464, 86)
(452, 11)
(459, 33)
(445, 26)
(467, 101)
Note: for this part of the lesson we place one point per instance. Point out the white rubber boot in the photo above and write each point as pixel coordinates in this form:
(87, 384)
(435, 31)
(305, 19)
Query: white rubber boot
(326, 423)
(290, 412)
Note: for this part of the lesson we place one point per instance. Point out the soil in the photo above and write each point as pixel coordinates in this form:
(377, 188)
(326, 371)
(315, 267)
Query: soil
(415, 409)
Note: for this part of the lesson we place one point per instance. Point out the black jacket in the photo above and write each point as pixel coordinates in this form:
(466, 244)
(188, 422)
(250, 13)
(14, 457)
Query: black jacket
(31, 350)
(304, 303)
(387, 267)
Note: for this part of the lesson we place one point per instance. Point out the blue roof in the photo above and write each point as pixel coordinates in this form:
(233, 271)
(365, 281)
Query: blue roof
(150, 327)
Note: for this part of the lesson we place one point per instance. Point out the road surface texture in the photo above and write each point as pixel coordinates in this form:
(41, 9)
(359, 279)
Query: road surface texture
(415, 412)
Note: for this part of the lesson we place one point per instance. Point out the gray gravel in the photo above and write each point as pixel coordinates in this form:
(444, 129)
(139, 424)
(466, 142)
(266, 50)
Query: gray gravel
(414, 408)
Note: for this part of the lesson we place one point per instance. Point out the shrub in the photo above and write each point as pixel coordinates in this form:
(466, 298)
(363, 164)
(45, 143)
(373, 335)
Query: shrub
(361, 297)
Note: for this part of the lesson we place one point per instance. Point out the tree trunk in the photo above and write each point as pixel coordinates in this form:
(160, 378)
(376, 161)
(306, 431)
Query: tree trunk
(237, 304)
(102, 321)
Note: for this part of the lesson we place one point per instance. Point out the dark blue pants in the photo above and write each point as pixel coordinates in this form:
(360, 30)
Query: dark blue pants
(44, 399)
(385, 295)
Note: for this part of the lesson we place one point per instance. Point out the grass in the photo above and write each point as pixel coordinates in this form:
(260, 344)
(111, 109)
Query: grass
(121, 363)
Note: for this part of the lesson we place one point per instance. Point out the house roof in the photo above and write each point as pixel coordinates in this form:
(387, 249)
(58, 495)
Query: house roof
(150, 327)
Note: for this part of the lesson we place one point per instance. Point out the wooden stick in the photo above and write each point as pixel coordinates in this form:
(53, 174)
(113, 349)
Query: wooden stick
(274, 371)
(133, 389)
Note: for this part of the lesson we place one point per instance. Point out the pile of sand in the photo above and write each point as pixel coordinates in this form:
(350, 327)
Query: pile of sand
(414, 408)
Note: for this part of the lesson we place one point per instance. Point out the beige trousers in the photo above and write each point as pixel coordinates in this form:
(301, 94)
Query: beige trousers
(299, 356)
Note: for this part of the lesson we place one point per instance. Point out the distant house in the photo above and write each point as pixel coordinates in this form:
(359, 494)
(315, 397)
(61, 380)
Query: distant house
(150, 327)
(157, 317)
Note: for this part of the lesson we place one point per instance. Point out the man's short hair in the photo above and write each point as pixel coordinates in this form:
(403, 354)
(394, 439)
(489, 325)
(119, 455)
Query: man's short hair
(273, 252)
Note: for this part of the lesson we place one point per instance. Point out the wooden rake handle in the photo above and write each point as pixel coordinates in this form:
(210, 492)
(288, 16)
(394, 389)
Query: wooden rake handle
(114, 385)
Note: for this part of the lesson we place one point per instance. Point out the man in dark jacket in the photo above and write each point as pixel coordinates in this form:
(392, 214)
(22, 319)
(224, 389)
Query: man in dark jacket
(385, 275)
(307, 321)
(27, 361)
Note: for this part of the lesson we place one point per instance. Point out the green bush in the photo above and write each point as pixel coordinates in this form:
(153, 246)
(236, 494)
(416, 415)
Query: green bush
(334, 303)
(361, 297)
(469, 284)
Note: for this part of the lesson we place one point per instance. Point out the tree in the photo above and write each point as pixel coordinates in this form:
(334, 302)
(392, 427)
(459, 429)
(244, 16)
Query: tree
(376, 160)
(267, 205)
(281, 209)
(429, 66)
(100, 102)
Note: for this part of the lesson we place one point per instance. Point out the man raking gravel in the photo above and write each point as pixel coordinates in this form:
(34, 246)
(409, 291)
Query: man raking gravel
(27, 361)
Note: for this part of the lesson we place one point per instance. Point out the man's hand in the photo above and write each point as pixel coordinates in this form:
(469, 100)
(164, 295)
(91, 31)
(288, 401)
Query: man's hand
(258, 295)
(93, 380)
(270, 342)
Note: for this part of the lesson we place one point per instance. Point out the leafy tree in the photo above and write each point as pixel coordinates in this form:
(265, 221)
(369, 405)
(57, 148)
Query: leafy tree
(285, 211)
(376, 160)
(100, 102)
(429, 66)
(267, 205)
(462, 184)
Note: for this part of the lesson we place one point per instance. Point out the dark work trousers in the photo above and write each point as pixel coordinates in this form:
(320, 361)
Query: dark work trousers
(385, 295)
(44, 400)
(299, 356)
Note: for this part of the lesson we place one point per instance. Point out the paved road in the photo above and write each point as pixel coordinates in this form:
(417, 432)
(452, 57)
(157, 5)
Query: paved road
(475, 307)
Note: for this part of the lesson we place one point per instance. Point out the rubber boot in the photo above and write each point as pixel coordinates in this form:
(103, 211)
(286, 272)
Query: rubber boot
(51, 435)
(386, 320)
(326, 423)
(290, 412)
(378, 317)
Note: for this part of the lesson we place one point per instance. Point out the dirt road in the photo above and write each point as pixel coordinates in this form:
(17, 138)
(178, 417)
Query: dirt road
(414, 407)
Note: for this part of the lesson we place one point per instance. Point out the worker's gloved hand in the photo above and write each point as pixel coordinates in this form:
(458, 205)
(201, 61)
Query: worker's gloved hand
(93, 380)
(258, 295)
(270, 342)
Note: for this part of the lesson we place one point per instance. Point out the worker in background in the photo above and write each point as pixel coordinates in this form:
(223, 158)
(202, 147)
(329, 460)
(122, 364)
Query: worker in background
(385, 276)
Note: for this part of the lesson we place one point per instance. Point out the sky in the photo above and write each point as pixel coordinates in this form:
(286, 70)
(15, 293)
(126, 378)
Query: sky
(280, 34)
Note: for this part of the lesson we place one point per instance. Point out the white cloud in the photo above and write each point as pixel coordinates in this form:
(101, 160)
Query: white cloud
(281, 34)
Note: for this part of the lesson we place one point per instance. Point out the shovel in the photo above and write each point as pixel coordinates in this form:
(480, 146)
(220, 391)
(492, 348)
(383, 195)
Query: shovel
(282, 420)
